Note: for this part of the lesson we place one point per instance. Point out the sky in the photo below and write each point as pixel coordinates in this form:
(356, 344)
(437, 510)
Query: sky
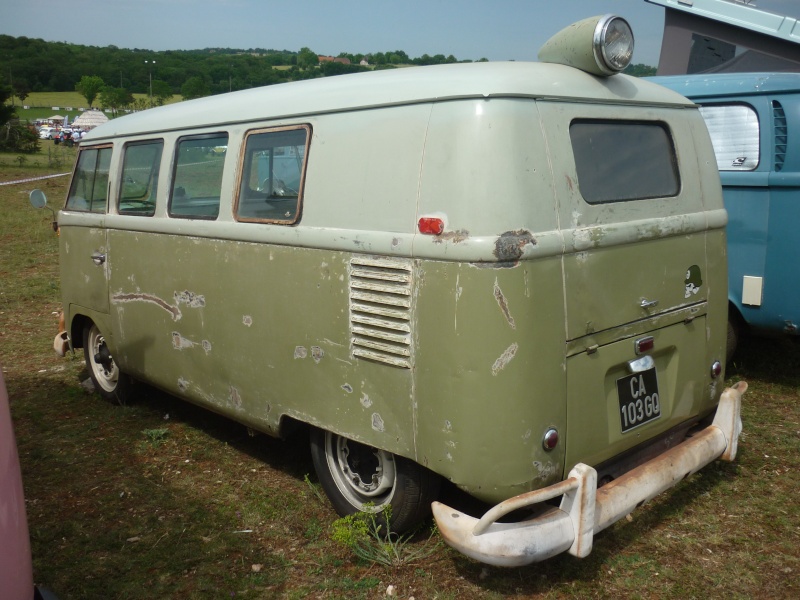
(467, 29)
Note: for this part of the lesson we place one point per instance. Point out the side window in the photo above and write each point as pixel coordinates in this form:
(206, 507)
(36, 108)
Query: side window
(272, 175)
(624, 160)
(89, 189)
(140, 169)
(734, 131)
(197, 180)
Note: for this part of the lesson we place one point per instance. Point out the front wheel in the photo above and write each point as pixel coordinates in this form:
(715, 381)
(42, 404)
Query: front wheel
(109, 381)
(357, 477)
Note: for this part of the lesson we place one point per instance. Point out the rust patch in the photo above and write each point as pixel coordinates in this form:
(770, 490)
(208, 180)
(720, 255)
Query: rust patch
(181, 343)
(139, 297)
(462, 235)
(511, 244)
(506, 357)
(317, 353)
(503, 303)
(190, 299)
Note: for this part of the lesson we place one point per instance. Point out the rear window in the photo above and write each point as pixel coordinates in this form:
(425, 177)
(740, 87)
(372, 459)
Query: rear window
(619, 161)
(734, 132)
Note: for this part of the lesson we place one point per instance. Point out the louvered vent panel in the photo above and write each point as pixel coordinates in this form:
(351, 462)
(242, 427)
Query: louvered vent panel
(380, 310)
(781, 134)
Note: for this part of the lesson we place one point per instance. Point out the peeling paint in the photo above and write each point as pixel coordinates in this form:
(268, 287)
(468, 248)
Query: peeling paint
(377, 422)
(511, 244)
(300, 352)
(206, 346)
(235, 398)
(503, 303)
(247, 320)
(317, 353)
(365, 401)
(174, 311)
(348, 388)
(527, 435)
(183, 385)
(448, 426)
(181, 343)
(546, 471)
(462, 235)
(505, 358)
(190, 299)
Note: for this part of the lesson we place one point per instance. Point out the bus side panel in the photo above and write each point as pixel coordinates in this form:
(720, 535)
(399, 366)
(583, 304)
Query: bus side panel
(490, 374)
(255, 332)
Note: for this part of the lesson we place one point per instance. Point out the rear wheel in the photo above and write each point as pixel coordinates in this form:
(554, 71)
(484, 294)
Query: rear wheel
(357, 477)
(109, 381)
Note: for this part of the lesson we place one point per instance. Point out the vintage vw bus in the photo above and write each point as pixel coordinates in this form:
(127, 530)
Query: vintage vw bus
(509, 275)
(753, 120)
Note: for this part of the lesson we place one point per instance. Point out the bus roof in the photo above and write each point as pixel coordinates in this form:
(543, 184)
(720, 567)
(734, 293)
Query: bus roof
(730, 84)
(386, 88)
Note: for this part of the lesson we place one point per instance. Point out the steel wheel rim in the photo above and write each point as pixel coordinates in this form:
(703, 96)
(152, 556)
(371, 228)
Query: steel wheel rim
(106, 377)
(361, 473)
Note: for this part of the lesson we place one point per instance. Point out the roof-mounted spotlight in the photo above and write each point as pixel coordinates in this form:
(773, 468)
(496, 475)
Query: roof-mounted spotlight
(600, 45)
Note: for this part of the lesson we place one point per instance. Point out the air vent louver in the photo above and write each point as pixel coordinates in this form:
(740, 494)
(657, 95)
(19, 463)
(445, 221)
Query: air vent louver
(781, 134)
(380, 310)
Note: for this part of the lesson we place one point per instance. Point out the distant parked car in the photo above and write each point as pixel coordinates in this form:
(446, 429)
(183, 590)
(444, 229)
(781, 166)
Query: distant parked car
(16, 570)
(46, 133)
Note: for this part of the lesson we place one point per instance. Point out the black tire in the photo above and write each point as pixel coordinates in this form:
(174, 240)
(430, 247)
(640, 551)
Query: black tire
(111, 383)
(343, 465)
(733, 339)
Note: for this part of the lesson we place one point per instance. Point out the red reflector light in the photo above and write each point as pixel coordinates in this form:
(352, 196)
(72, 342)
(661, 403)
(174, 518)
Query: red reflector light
(430, 225)
(644, 345)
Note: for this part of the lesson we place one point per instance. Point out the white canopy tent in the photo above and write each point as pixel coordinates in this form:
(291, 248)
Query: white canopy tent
(90, 119)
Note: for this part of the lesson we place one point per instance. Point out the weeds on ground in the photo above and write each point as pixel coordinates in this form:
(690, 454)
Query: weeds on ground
(365, 535)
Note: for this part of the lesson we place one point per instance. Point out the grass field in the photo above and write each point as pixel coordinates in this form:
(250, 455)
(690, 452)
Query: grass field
(160, 499)
(47, 104)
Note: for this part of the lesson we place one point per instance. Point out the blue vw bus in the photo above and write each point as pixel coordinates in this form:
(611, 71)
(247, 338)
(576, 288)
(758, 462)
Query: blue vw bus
(754, 122)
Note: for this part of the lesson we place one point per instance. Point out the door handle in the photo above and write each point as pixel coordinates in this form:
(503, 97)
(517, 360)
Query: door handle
(648, 303)
(98, 258)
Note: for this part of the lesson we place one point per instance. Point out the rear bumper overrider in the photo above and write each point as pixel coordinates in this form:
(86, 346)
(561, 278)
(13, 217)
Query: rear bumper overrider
(585, 509)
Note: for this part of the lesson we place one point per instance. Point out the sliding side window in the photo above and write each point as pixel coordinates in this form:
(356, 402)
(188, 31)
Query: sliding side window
(274, 167)
(89, 189)
(735, 132)
(140, 170)
(197, 180)
(619, 161)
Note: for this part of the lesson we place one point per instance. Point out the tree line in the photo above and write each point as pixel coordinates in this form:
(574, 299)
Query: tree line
(35, 65)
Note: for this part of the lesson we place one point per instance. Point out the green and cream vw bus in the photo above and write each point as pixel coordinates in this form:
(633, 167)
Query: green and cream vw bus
(508, 275)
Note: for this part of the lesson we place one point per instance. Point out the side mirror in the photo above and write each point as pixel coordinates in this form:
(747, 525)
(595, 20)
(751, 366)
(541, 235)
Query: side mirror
(38, 199)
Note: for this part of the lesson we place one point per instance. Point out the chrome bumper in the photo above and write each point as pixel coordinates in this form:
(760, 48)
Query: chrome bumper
(585, 509)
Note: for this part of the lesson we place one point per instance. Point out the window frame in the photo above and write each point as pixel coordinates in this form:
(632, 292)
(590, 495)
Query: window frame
(154, 185)
(674, 161)
(174, 172)
(245, 167)
(74, 179)
(760, 146)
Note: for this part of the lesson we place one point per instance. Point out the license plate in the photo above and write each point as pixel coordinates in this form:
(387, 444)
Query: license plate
(638, 399)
